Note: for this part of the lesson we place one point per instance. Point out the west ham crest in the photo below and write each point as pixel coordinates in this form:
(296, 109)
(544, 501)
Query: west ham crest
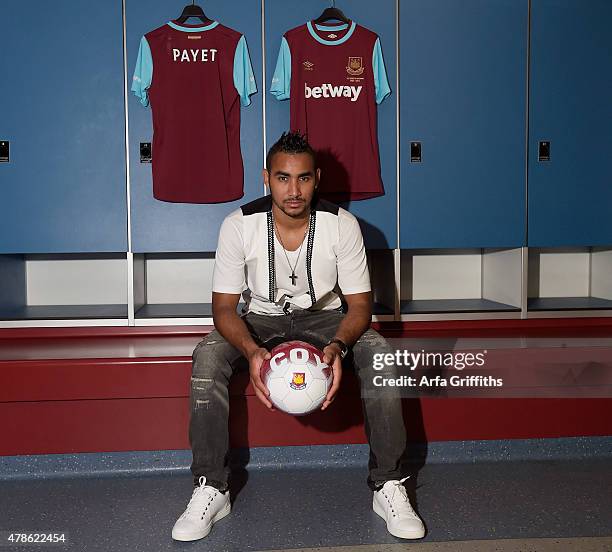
(298, 381)
(355, 66)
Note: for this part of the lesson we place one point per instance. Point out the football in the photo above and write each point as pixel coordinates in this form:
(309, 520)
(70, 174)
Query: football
(297, 377)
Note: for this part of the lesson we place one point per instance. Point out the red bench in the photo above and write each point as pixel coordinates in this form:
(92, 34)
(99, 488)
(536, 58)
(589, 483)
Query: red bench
(67, 390)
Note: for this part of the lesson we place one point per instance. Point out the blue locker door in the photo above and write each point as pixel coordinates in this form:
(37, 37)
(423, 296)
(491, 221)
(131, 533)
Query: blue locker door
(463, 96)
(377, 216)
(159, 226)
(570, 196)
(61, 107)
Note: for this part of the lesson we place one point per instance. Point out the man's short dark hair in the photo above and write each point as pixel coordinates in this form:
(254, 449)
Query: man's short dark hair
(291, 142)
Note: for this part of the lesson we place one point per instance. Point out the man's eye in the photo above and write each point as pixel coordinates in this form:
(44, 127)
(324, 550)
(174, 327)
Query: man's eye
(305, 178)
(282, 178)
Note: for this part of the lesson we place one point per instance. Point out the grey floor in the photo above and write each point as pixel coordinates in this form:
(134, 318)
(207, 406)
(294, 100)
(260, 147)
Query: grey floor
(582, 544)
(317, 508)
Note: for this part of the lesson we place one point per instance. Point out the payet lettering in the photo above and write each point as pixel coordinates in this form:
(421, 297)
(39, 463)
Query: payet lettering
(194, 55)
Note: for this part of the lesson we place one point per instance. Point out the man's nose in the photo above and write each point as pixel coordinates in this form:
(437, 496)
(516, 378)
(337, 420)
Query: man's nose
(295, 188)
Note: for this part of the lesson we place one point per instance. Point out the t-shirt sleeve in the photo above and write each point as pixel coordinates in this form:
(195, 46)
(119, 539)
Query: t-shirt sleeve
(143, 73)
(228, 274)
(281, 80)
(244, 79)
(353, 275)
(381, 83)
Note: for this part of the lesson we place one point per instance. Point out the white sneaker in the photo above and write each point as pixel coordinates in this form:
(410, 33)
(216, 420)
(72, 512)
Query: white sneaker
(392, 504)
(206, 506)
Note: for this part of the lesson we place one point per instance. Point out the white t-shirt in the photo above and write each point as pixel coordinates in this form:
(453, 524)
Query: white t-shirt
(250, 260)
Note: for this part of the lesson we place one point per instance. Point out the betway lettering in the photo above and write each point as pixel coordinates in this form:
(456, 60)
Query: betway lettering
(201, 54)
(330, 91)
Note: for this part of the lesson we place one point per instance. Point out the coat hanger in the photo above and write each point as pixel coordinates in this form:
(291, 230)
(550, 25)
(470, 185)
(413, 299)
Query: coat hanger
(332, 13)
(191, 10)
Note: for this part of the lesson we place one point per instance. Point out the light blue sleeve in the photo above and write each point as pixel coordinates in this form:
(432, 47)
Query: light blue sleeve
(380, 74)
(244, 80)
(143, 73)
(281, 81)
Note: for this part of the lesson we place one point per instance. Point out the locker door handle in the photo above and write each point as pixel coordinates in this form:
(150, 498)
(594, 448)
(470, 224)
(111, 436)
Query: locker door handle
(4, 151)
(544, 151)
(145, 152)
(415, 152)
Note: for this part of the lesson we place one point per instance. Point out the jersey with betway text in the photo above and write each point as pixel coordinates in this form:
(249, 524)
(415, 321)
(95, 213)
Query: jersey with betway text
(335, 76)
(194, 78)
(250, 260)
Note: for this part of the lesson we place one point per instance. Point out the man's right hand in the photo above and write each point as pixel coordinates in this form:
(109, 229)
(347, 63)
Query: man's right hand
(256, 359)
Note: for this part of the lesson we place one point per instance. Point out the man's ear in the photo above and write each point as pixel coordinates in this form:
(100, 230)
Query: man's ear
(318, 177)
(266, 177)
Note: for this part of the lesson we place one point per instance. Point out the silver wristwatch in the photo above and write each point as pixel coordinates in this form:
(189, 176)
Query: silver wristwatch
(343, 346)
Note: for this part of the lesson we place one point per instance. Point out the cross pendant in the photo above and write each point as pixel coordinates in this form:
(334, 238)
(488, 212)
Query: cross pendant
(293, 278)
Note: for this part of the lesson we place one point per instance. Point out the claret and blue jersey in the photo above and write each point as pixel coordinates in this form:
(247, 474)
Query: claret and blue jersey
(195, 78)
(334, 76)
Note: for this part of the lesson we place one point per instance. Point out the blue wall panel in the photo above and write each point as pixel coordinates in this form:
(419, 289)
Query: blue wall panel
(159, 226)
(570, 196)
(463, 95)
(61, 98)
(377, 216)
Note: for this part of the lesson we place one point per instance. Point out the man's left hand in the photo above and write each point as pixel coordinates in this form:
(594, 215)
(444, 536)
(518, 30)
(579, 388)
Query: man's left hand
(331, 357)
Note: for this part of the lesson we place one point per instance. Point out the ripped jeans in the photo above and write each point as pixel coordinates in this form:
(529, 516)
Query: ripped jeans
(215, 360)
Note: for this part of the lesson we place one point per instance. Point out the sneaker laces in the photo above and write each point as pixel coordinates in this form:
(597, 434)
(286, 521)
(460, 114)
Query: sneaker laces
(201, 497)
(404, 503)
